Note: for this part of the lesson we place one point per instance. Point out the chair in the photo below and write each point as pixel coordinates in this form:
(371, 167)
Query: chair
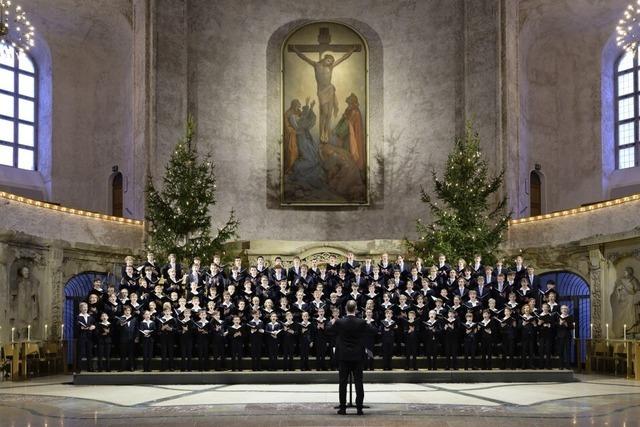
(600, 352)
(32, 358)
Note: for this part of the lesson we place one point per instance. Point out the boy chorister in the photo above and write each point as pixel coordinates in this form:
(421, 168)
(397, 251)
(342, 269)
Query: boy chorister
(370, 338)
(236, 334)
(104, 333)
(388, 329)
(488, 334)
(273, 329)
(411, 334)
(470, 341)
(320, 338)
(288, 340)
(451, 334)
(186, 328)
(147, 329)
(528, 336)
(167, 326)
(217, 339)
(304, 341)
(127, 334)
(256, 332)
(432, 330)
(545, 336)
(564, 331)
(86, 326)
(202, 330)
(508, 329)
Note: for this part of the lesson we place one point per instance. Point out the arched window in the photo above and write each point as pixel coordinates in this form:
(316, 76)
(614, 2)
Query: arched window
(116, 195)
(18, 110)
(627, 93)
(535, 194)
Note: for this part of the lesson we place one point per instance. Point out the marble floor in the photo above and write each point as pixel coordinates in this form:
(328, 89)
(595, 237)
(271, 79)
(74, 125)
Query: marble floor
(53, 401)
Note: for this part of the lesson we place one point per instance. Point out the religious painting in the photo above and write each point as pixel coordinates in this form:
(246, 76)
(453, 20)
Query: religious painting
(324, 153)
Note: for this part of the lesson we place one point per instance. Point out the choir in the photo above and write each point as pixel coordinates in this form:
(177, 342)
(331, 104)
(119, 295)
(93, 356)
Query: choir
(198, 318)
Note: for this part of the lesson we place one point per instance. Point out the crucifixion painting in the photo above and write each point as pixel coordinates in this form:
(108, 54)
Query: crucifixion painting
(324, 155)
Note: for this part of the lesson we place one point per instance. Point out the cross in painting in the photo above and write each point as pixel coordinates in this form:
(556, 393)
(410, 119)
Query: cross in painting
(323, 69)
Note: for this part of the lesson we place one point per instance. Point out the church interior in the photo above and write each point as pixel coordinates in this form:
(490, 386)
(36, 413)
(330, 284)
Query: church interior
(466, 172)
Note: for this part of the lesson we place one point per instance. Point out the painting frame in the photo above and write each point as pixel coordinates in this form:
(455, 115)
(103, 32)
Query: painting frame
(288, 202)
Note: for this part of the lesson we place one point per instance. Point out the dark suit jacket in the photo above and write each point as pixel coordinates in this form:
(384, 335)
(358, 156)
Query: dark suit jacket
(350, 333)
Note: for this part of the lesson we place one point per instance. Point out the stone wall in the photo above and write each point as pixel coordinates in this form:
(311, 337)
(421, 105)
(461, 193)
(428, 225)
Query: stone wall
(432, 65)
(565, 49)
(54, 246)
(84, 57)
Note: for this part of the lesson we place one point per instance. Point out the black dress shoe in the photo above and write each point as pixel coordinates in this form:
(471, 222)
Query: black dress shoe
(359, 412)
(342, 412)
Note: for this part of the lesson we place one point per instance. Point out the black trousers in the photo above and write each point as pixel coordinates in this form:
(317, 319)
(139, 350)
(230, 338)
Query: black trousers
(186, 351)
(469, 346)
(508, 350)
(564, 351)
(321, 354)
(256, 351)
(104, 353)
(236, 354)
(487, 353)
(345, 369)
(166, 350)
(127, 351)
(203, 351)
(147, 353)
(545, 343)
(85, 350)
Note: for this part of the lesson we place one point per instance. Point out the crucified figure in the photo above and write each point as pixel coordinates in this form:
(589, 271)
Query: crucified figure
(326, 91)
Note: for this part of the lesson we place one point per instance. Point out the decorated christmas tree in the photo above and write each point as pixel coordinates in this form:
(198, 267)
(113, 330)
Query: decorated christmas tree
(178, 213)
(465, 218)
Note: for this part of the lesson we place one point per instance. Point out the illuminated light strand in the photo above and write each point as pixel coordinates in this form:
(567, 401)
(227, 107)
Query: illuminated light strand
(575, 211)
(628, 31)
(71, 211)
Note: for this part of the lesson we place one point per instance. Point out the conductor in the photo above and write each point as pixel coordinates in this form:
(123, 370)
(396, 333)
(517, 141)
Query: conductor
(350, 332)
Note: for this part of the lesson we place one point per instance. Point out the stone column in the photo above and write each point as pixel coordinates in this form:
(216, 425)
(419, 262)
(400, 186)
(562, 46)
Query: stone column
(54, 294)
(143, 102)
(5, 261)
(597, 268)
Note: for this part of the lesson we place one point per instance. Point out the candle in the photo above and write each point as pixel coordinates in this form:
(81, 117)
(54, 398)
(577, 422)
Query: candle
(607, 325)
(625, 332)
(62, 332)
(573, 332)
(591, 331)
(45, 331)
(13, 331)
(28, 332)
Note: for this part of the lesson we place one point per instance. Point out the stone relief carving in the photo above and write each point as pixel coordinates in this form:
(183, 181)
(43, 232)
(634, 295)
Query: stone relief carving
(595, 272)
(24, 300)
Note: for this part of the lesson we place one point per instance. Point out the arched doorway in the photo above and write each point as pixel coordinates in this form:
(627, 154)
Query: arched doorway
(75, 291)
(535, 194)
(575, 293)
(116, 195)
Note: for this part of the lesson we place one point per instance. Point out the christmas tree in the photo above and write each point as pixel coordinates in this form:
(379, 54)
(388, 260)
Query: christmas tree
(465, 222)
(178, 213)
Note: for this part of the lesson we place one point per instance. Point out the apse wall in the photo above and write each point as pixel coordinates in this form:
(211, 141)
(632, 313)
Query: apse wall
(421, 91)
(563, 97)
(89, 87)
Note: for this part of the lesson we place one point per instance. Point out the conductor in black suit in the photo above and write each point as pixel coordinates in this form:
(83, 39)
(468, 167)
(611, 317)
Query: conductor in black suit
(350, 333)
